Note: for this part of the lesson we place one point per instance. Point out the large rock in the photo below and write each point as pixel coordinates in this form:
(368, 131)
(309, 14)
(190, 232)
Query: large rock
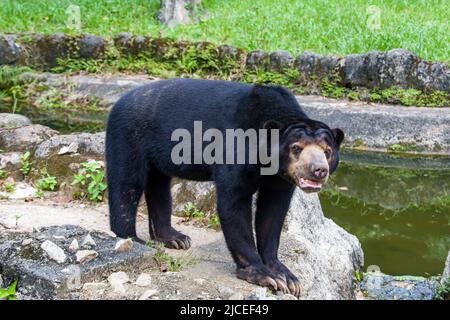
(91, 143)
(328, 255)
(25, 138)
(9, 50)
(397, 67)
(257, 59)
(379, 286)
(446, 273)
(13, 120)
(315, 66)
(281, 60)
(10, 160)
(47, 269)
(45, 50)
(92, 47)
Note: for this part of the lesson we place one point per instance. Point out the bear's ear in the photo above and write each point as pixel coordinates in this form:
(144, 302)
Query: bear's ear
(338, 135)
(272, 124)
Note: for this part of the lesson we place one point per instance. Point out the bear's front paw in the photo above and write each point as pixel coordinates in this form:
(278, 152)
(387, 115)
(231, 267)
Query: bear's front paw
(262, 276)
(174, 240)
(279, 269)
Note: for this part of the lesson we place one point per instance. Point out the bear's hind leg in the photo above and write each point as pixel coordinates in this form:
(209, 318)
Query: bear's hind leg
(125, 191)
(159, 204)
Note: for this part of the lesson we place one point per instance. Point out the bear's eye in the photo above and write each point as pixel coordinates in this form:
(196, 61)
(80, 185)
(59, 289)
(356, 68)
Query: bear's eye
(328, 153)
(296, 149)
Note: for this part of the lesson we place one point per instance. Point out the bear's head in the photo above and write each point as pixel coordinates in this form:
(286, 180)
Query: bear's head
(309, 153)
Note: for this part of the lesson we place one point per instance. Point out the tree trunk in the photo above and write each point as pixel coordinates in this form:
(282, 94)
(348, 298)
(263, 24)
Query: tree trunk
(175, 12)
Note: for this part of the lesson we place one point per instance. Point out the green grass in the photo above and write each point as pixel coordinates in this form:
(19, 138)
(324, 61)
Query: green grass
(322, 26)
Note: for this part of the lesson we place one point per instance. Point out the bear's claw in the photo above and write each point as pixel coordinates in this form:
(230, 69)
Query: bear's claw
(175, 240)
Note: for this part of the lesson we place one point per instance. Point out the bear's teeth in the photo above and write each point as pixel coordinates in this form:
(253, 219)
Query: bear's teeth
(309, 183)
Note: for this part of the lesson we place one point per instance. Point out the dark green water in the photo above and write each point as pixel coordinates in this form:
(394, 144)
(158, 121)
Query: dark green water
(399, 208)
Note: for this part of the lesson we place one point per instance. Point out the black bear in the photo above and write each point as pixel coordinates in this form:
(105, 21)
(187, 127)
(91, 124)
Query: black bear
(139, 159)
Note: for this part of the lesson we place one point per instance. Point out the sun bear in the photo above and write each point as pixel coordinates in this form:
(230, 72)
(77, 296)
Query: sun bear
(140, 160)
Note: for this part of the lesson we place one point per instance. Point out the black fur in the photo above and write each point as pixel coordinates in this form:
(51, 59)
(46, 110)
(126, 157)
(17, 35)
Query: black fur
(138, 154)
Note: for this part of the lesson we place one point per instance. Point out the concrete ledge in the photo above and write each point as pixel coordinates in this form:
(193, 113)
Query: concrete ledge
(377, 126)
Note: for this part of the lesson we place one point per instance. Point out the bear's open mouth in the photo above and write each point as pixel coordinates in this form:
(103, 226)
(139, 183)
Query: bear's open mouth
(309, 185)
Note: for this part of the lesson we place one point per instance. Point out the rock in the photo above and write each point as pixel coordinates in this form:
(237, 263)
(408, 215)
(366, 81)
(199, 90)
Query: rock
(225, 291)
(281, 60)
(446, 272)
(236, 296)
(71, 148)
(53, 251)
(231, 53)
(22, 190)
(379, 286)
(42, 279)
(27, 242)
(73, 247)
(257, 59)
(174, 12)
(10, 51)
(117, 281)
(144, 280)
(149, 294)
(1, 282)
(397, 67)
(433, 75)
(47, 49)
(92, 143)
(92, 47)
(313, 65)
(123, 245)
(85, 256)
(95, 288)
(202, 194)
(329, 255)
(13, 120)
(88, 241)
(286, 297)
(10, 160)
(258, 294)
(200, 281)
(122, 41)
(362, 70)
(25, 138)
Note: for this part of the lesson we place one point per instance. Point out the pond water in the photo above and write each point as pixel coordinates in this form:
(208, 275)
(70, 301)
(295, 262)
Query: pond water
(399, 208)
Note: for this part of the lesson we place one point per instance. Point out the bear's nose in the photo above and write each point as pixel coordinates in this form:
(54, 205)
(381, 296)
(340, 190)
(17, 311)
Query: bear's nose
(320, 172)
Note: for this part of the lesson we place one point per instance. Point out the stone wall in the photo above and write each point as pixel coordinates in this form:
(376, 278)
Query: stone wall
(395, 68)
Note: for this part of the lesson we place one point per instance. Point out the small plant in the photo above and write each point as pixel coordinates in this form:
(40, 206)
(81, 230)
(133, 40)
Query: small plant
(25, 163)
(332, 90)
(191, 211)
(47, 183)
(396, 147)
(3, 174)
(9, 187)
(9, 293)
(359, 275)
(443, 291)
(91, 178)
(167, 262)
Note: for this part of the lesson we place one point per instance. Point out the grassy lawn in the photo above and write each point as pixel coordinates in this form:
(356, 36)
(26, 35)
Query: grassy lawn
(322, 26)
